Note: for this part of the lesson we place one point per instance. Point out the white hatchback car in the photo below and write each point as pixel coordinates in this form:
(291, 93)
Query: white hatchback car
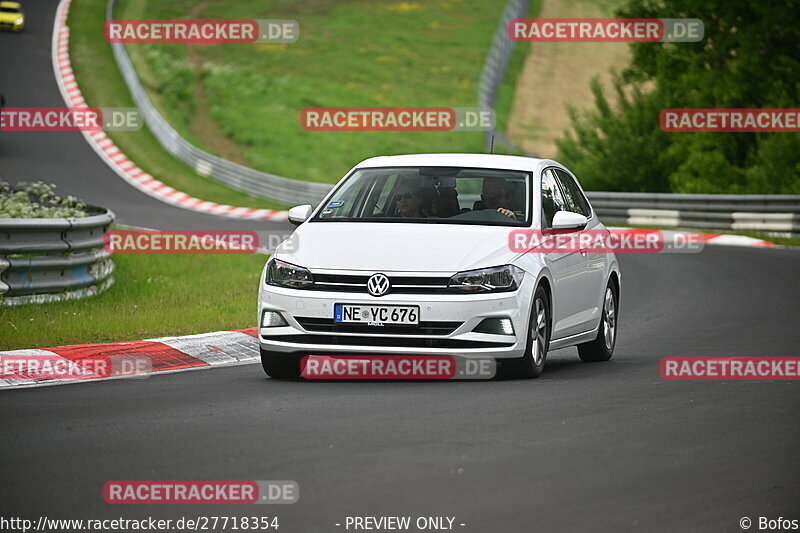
(411, 255)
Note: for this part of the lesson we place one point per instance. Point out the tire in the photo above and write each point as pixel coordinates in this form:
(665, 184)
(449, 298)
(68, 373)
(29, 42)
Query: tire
(602, 347)
(280, 366)
(532, 363)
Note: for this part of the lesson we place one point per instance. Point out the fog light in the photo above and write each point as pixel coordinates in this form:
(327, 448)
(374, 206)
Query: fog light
(495, 326)
(272, 319)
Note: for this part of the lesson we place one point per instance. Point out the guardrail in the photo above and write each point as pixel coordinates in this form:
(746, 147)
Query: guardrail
(494, 68)
(49, 259)
(777, 215)
(242, 178)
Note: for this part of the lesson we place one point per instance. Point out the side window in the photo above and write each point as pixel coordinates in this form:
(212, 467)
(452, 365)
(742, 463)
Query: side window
(351, 199)
(552, 200)
(576, 201)
(382, 204)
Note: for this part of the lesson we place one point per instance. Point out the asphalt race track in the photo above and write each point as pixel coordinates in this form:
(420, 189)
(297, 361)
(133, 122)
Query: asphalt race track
(587, 447)
(65, 158)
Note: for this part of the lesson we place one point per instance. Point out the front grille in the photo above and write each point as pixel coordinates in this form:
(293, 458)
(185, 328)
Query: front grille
(400, 284)
(327, 325)
(400, 342)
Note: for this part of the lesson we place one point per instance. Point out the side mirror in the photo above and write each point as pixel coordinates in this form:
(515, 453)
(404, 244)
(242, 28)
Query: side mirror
(299, 214)
(569, 220)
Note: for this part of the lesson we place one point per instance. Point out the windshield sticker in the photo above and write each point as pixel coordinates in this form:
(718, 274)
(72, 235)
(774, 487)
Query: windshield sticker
(336, 203)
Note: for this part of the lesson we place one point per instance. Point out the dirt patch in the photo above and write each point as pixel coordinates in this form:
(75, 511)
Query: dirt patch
(202, 125)
(557, 75)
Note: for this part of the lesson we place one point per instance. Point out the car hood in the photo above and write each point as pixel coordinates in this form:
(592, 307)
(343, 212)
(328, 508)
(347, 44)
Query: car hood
(9, 17)
(396, 246)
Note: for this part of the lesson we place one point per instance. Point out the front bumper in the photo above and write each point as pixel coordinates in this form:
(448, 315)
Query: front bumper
(446, 324)
(10, 26)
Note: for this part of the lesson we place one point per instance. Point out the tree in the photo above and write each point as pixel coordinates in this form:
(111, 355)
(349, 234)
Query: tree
(749, 58)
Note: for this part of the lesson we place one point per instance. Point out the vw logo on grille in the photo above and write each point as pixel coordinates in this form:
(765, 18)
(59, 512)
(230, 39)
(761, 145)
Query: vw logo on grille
(378, 285)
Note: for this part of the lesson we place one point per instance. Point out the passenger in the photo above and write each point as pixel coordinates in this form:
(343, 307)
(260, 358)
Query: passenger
(409, 198)
(495, 196)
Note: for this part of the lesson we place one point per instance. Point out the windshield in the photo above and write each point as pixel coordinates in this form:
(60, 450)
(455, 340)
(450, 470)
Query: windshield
(10, 10)
(451, 195)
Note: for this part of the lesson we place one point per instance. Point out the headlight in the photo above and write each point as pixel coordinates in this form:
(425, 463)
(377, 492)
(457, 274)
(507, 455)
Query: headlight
(19, 21)
(496, 279)
(288, 275)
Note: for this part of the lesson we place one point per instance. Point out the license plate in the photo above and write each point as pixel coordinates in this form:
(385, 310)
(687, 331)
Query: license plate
(376, 315)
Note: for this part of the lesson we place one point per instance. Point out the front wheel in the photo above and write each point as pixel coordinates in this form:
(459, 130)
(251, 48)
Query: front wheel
(602, 347)
(532, 363)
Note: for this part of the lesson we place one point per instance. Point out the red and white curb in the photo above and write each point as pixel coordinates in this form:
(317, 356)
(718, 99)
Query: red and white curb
(165, 355)
(720, 239)
(113, 156)
(735, 240)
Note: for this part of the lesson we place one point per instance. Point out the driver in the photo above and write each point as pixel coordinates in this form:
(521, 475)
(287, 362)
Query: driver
(409, 198)
(495, 195)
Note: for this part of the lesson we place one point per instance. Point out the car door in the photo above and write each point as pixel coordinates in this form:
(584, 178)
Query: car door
(595, 260)
(568, 268)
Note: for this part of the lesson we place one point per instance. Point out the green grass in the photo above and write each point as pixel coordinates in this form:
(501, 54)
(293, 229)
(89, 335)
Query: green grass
(153, 296)
(350, 53)
(102, 86)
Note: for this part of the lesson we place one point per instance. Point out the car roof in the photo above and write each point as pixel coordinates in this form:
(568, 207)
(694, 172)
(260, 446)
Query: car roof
(509, 162)
(14, 5)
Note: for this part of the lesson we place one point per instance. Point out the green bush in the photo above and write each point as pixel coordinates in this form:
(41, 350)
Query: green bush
(37, 200)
